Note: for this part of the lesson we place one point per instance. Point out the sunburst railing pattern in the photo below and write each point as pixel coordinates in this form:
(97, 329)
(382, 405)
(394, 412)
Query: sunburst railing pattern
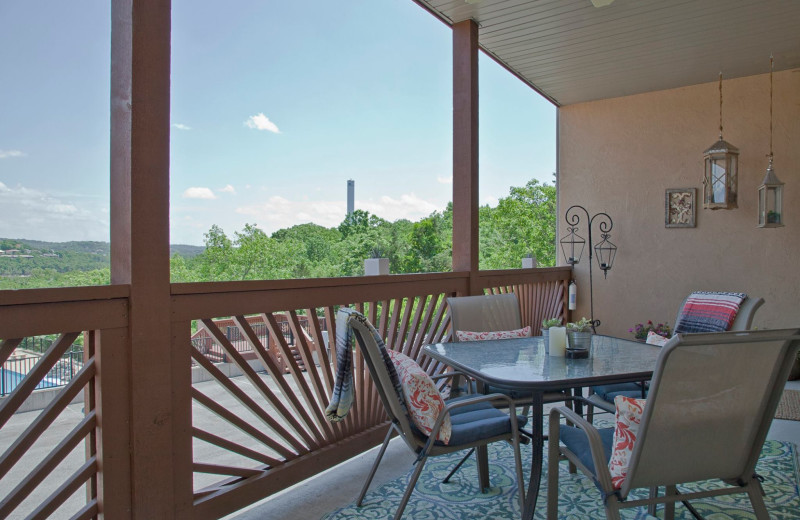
(243, 428)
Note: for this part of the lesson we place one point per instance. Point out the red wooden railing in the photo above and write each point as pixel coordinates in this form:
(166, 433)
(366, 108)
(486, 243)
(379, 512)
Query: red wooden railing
(237, 439)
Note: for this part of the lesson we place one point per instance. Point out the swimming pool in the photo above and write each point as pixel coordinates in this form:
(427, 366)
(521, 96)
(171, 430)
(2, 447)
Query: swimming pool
(9, 380)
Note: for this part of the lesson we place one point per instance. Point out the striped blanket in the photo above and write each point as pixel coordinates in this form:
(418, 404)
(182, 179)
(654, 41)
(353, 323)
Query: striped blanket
(709, 312)
(343, 389)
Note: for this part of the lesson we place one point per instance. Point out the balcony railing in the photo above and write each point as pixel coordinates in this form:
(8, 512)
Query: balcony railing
(238, 439)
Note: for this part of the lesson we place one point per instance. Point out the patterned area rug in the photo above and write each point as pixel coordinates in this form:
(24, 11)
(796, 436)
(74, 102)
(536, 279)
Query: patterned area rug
(789, 407)
(578, 499)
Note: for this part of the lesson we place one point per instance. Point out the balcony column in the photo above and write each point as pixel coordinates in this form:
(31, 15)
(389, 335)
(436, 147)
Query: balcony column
(140, 117)
(465, 150)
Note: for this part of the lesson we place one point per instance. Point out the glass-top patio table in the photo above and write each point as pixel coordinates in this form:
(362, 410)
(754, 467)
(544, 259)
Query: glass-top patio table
(522, 364)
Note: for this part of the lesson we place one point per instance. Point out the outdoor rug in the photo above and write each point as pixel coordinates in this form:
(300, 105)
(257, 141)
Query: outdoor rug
(579, 499)
(789, 407)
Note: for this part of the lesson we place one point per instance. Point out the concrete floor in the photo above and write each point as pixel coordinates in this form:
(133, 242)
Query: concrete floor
(340, 485)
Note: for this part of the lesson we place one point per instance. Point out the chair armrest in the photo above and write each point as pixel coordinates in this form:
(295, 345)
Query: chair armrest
(602, 474)
(599, 402)
(455, 375)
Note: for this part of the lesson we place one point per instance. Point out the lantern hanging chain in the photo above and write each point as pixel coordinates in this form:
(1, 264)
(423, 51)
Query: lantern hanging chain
(720, 105)
(770, 106)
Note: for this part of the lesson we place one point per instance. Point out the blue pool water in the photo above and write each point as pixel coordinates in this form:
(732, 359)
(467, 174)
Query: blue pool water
(11, 379)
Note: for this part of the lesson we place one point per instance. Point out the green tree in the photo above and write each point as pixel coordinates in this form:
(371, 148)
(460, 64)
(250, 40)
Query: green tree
(521, 224)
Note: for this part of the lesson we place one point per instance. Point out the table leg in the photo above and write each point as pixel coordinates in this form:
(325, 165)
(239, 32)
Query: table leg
(537, 444)
(482, 454)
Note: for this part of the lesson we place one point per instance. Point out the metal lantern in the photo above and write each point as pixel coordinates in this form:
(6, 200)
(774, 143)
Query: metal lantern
(770, 200)
(770, 193)
(605, 252)
(572, 246)
(721, 176)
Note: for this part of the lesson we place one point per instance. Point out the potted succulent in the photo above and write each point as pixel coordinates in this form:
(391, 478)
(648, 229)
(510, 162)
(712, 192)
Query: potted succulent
(580, 335)
(546, 324)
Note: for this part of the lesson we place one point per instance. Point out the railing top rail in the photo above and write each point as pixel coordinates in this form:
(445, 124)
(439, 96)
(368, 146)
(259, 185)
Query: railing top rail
(515, 276)
(63, 294)
(302, 283)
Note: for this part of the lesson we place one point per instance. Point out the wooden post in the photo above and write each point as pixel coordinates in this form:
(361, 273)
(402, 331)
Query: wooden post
(465, 150)
(140, 96)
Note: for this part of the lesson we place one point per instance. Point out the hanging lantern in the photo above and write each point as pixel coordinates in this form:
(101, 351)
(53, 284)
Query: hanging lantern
(770, 193)
(721, 170)
(572, 246)
(770, 200)
(605, 252)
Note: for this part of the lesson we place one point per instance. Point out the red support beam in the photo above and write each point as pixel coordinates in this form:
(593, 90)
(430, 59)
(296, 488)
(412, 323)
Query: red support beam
(465, 149)
(140, 101)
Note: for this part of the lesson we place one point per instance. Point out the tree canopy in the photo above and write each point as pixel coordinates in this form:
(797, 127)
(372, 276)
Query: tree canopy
(522, 223)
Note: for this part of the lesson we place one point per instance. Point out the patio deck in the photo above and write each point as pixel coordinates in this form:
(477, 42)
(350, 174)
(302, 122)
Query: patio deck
(340, 485)
(309, 499)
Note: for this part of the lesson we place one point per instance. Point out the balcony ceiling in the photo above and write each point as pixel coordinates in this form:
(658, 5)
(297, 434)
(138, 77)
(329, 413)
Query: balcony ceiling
(571, 51)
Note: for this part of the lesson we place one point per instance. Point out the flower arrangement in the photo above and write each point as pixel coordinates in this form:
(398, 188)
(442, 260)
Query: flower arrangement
(640, 330)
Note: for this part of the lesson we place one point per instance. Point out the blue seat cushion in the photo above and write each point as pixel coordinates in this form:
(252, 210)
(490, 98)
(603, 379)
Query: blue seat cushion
(576, 441)
(609, 392)
(478, 421)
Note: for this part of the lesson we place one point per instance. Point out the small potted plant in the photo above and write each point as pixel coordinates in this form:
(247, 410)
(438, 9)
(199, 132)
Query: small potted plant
(546, 324)
(580, 335)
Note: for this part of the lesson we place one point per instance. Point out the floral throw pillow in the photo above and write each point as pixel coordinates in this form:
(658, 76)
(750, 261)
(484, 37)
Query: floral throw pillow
(466, 335)
(422, 397)
(628, 419)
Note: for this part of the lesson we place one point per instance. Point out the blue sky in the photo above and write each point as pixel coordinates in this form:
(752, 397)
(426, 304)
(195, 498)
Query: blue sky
(275, 104)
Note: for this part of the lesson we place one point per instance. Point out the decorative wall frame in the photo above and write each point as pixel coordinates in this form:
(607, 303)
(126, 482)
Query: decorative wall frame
(680, 208)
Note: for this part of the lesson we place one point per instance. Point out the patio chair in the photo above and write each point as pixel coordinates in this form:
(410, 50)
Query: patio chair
(492, 313)
(475, 421)
(712, 399)
(603, 396)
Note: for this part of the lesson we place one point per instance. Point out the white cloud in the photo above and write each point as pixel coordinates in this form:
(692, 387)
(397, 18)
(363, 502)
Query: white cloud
(279, 212)
(181, 126)
(408, 206)
(490, 200)
(228, 189)
(444, 180)
(8, 154)
(198, 193)
(261, 122)
(36, 215)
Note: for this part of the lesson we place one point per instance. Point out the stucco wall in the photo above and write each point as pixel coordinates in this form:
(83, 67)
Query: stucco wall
(620, 155)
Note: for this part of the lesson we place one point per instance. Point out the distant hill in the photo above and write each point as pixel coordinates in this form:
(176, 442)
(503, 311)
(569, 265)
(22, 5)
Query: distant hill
(98, 248)
(185, 250)
(21, 257)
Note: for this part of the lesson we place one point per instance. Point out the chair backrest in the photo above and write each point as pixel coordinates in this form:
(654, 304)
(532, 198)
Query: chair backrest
(486, 313)
(744, 318)
(747, 309)
(711, 401)
(364, 335)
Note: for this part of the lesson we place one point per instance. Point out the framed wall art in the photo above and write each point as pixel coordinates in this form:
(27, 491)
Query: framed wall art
(680, 208)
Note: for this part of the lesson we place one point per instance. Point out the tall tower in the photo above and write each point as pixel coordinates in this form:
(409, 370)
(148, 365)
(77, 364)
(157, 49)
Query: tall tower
(351, 196)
